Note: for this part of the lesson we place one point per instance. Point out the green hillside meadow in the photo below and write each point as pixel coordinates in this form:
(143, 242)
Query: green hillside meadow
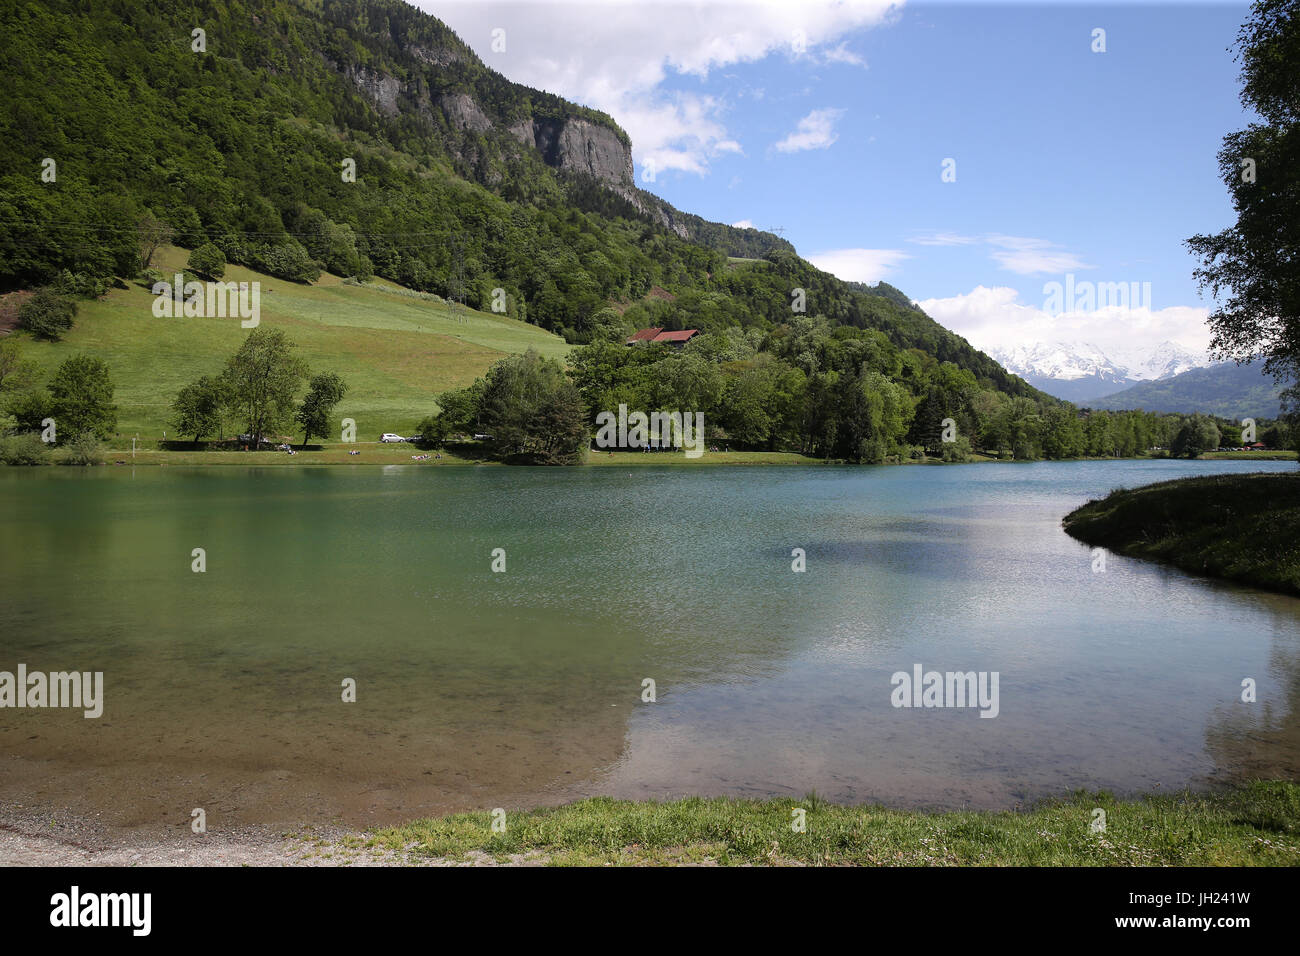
(396, 351)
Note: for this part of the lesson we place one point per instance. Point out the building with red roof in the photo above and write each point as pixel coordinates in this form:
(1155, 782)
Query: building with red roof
(677, 339)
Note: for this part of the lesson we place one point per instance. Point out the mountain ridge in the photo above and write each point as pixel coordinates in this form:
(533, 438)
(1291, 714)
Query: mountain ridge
(465, 183)
(1224, 389)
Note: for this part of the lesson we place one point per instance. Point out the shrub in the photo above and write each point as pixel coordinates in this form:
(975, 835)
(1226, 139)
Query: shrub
(959, 450)
(24, 449)
(47, 315)
(207, 261)
(78, 283)
(288, 260)
(83, 450)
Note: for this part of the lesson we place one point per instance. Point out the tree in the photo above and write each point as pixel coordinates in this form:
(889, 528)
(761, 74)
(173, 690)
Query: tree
(458, 413)
(15, 373)
(325, 391)
(81, 393)
(47, 315)
(1197, 435)
(207, 261)
(197, 409)
(532, 410)
(261, 380)
(151, 233)
(30, 408)
(1257, 259)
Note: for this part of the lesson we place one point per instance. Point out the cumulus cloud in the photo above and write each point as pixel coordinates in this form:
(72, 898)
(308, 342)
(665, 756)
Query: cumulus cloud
(858, 265)
(615, 55)
(815, 131)
(992, 318)
(744, 224)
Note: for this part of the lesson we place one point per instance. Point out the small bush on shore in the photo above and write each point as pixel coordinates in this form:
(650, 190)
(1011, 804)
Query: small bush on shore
(25, 449)
(83, 450)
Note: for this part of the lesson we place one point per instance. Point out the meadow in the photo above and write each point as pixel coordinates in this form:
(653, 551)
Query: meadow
(396, 351)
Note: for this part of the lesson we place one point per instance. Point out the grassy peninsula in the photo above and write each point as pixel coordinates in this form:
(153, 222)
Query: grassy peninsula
(1241, 528)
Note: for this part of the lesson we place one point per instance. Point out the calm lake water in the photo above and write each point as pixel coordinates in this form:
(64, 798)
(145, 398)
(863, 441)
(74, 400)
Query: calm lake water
(478, 689)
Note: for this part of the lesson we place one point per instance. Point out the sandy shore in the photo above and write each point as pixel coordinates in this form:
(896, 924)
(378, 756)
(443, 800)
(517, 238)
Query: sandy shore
(36, 838)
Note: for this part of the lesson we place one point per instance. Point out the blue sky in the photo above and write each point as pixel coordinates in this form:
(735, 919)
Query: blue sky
(833, 120)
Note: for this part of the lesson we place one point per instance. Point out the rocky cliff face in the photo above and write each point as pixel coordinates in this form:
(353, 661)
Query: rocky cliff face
(571, 144)
(576, 145)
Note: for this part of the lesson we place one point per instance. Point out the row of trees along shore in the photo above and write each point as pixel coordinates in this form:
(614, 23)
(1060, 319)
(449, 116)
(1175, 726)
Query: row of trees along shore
(829, 393)
(258, 390)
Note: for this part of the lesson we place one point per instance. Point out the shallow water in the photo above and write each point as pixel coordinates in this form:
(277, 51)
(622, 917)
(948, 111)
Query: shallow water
(482, 689)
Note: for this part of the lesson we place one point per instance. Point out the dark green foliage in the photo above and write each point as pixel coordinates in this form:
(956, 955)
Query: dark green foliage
(261, 381)
(459, 414)
(207, 261)
(47, 315)
(1197, 435)
(532, 411)
(16, 373)
(81, 394)
(24, 449)
(325, 390)
(198, 408)
(29, 408)
(1256, 261)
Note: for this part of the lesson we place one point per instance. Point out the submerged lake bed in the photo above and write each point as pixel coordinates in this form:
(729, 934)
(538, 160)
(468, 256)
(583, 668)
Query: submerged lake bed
(224, 688)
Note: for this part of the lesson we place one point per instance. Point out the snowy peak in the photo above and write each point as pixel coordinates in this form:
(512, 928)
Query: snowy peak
(1164, 361)
(1070, 361)
(1060, 360)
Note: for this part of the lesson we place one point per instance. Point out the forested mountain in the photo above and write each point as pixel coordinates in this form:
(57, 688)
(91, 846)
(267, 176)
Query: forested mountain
(1227, 390)
(121, 112)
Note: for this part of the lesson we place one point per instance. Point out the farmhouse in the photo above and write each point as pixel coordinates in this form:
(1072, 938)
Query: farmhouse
(675, 339)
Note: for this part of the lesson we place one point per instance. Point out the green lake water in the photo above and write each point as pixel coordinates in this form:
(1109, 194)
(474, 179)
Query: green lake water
(478, 689)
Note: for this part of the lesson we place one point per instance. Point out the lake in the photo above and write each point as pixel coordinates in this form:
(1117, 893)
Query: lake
(479, 689)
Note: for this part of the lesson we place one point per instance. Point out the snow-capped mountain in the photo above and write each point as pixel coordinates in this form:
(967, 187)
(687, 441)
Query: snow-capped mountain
(1164, 361)
(1080, 371)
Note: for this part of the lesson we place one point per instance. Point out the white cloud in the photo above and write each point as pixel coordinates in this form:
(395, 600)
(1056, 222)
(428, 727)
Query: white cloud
(842, 54)
(815, 131)
(1022, 255)
(615, 55)
(744, 224)
(858, 265)
(944, 239)
(1026, 256)
(996, 318)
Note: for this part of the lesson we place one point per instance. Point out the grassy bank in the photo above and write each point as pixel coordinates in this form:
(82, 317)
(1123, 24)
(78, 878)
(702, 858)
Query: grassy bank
(1251, 455)
(1241, 528)
(1257, 825)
